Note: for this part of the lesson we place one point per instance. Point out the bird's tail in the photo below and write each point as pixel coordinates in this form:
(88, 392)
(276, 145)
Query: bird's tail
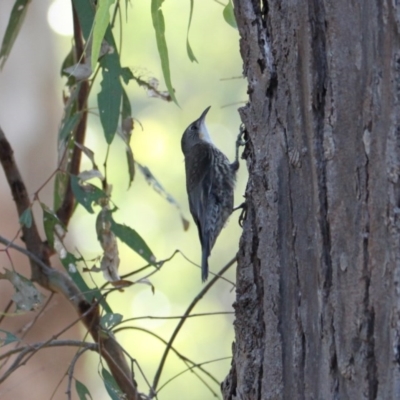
(204, 263)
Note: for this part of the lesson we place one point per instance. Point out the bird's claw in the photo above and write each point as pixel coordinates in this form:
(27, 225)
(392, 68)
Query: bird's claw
(243, 213)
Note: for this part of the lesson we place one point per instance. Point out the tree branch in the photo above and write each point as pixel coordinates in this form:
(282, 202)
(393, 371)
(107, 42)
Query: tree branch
(55, 281)
(66, 209)
(30, 235)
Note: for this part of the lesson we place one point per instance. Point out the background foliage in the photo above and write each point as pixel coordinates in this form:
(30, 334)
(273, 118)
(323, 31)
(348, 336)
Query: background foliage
(31, 116)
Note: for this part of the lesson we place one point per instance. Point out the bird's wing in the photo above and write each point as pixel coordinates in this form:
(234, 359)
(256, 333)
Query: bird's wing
(199, 182)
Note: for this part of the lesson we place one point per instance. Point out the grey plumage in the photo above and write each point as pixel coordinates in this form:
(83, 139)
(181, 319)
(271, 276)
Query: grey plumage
(210, 181)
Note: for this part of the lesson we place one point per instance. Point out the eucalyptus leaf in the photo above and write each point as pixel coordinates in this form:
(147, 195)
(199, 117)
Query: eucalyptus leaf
(86, 194)
(111, 386)
(188, 47)
(50, 221)
(68, 125)
(60, 188)
(26, 296)
(108, 321)
(69, 262)
(85, 12)
(159, 27)
(101, 21)
(82, 390)
(110, 96)
(126, 132)
(26, 218)
(7, 338)
(17, 17)
(229, 15)
(133, 240)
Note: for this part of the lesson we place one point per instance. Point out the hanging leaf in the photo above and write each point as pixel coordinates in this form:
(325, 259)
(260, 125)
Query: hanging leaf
(87, 175)
(88, 153)
(26, 296)
(126, 133)
(68, 126)
(60, 187)
(69, 262)
(108, 321)
(111, 386)
(7, 338)
(188, 48)
(133, 240)
(159, 26)
(229, 15)
(17, 17)
(86, 194)
(26, 218)
(101, 21)
(110, 260)
(85, 11)
(82, 390)
(110, 96)
(153, 182)
(50, 221)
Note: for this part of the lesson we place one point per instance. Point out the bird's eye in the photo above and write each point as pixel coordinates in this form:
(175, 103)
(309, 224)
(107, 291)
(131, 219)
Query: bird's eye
(193, 127)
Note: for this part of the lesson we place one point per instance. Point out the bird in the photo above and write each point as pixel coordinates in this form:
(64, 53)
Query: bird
(210, 182)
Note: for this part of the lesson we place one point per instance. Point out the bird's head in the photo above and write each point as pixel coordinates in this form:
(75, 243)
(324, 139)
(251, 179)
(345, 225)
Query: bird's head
(196, 132)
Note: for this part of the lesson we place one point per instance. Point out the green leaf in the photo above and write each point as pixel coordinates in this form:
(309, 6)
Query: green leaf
(109, 98)
(126, 74)
(126, 132)
(229, 15)
(17, 17)
(159, 27)
(126, 105)
(26, 218)
(71, 117)
(188, 48)
(132, 239)
(101, 21)
(82, 390)
(7, 338)
(50, 220)
(85, 11)
(26, 296)
(68, 126)
(108, 321)
(69, 262)
(86, 194)
(60, 186)
(111, 386)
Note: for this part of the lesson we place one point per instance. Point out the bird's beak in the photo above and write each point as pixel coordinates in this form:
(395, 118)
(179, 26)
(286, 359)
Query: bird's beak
(203, 115)
(203, 131)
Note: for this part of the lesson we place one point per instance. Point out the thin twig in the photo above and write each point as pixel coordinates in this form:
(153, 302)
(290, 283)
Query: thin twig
(30, 234)
(178, 354)
(71, 370)
(191, 368)
(177, 316)
(23, 351)
(182, 321)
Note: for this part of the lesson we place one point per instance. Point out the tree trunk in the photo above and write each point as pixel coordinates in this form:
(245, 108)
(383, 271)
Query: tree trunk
(318, 280)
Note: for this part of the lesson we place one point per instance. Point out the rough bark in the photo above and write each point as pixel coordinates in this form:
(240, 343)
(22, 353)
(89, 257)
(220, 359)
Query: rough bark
(318, 298)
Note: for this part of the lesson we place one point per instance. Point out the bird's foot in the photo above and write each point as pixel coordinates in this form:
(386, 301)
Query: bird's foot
(239, 140)
(243, 213)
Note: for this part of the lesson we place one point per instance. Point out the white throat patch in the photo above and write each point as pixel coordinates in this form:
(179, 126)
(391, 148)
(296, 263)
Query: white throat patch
(204, 134)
